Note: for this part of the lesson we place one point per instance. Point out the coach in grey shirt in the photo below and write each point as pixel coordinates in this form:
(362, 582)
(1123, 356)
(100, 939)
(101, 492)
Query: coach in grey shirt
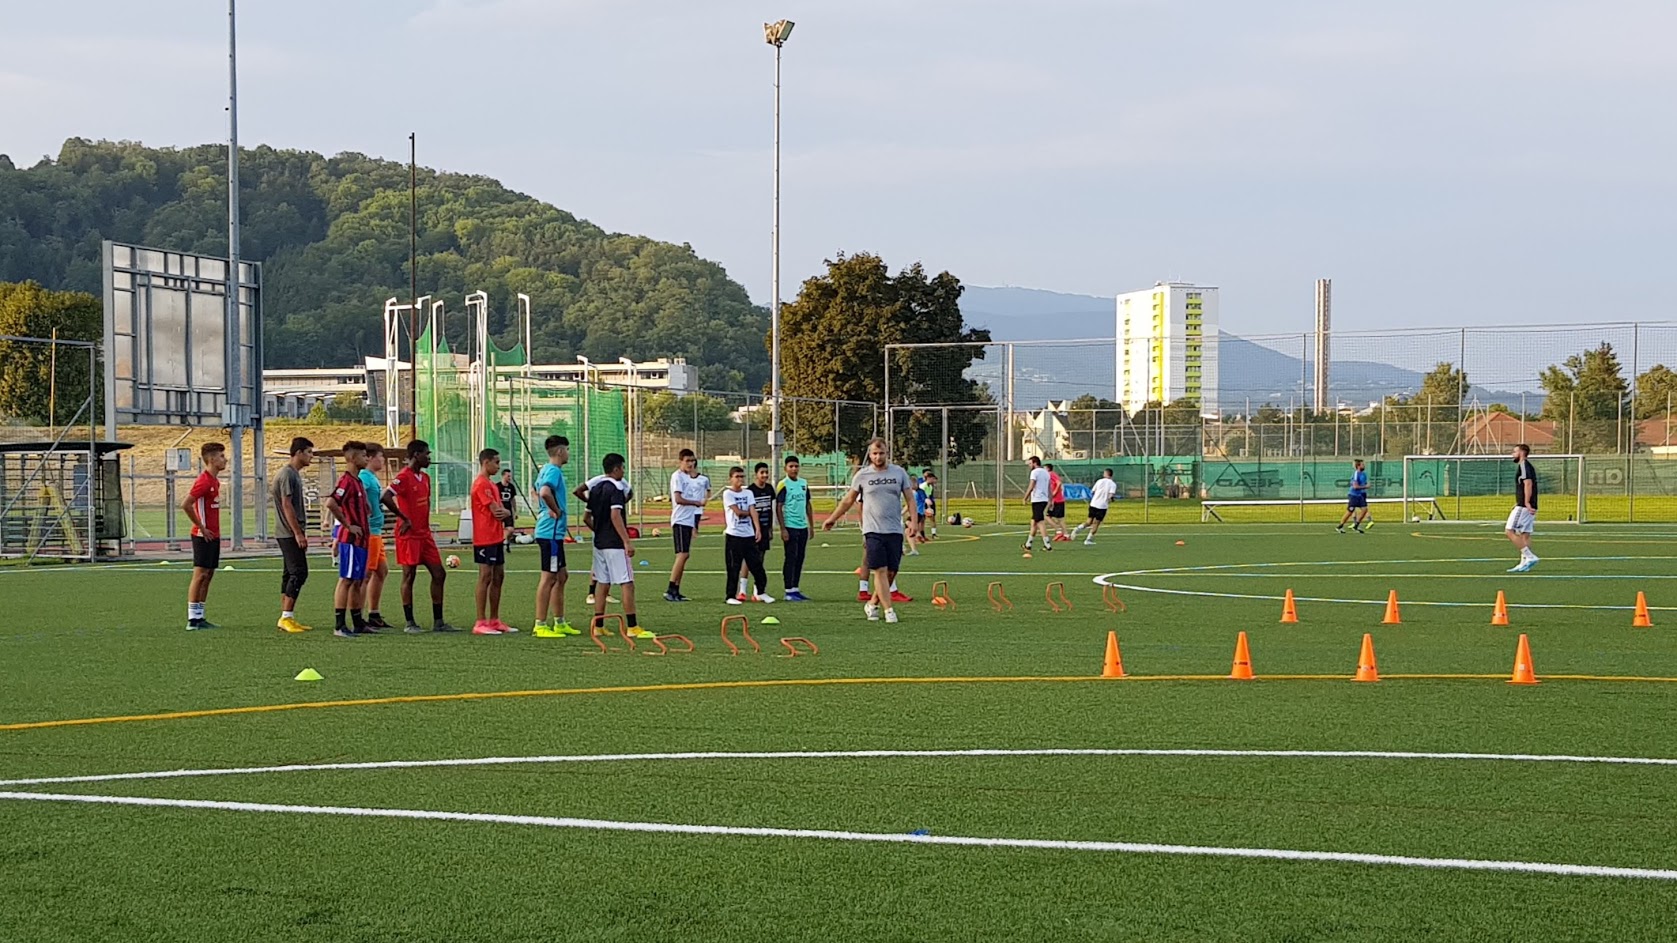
(884, 490)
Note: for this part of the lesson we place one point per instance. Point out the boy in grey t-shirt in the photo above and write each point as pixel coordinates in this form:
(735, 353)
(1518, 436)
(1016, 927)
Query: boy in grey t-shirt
(882, 488)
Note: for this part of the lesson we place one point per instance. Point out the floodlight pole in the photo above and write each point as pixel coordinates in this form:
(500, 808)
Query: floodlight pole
(236, 418)
(775, 34)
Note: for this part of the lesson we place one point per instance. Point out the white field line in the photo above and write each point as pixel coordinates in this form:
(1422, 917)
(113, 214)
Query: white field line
(847, 754)
(1282, 854)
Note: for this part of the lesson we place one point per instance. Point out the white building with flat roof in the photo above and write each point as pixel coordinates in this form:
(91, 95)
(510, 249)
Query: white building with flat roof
(1167, 346)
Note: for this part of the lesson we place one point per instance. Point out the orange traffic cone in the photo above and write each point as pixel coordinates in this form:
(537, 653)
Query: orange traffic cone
(1641, 620)
(1499, 615)
(1242, 670)
(1392, 616)
(1523, 672)
(1114, 667)
(1367, 670)
(1289, 612)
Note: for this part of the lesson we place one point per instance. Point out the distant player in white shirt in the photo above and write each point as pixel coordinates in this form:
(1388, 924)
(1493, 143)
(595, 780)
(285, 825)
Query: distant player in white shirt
(1037, 493)
(1100, 498)
(689, 493)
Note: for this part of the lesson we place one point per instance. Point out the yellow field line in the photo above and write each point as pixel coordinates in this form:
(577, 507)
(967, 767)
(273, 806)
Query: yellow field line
(724, 685)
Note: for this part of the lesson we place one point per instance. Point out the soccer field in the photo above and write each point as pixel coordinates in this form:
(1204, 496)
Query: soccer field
(963, 775)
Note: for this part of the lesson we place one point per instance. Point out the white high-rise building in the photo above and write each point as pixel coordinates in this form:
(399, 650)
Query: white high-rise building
(1167, 346)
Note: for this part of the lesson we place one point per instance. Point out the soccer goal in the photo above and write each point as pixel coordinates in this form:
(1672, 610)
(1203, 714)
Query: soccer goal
(1479, 489)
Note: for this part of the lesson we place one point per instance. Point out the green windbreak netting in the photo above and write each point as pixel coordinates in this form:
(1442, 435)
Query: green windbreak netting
(514, 418)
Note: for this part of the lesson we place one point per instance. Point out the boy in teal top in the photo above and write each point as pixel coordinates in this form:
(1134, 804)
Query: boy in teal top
(377, 566)
(792, 506)
(552, 524)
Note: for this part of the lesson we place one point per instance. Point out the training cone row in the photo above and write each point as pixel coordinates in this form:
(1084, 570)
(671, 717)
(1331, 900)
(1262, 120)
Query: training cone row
(1368, 669)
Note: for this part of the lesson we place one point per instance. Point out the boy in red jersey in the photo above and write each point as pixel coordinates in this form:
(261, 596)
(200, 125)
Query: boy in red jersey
(348, 504)
(203, 509)
(489, 550)
(409, 498)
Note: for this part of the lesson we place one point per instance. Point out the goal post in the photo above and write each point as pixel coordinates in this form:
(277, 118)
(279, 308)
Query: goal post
(1479, 489)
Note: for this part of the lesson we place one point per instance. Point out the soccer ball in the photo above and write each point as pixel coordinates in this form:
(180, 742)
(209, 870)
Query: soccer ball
(1416, 519)
(525, 539)
(453, 562)
(966, 522)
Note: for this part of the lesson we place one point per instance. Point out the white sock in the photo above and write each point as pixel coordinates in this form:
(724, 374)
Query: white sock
(195, 610)
(743, 586)
(893, 586)
(288, 614)
(861, 586)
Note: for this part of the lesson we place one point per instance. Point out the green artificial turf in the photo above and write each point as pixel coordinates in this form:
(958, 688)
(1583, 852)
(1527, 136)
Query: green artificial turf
(97, 642)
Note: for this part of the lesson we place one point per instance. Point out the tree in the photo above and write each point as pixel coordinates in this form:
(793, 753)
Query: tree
(31, 375)
(665, 413)
(332, 234)
(1656, 392)
(833, 340)
(1585, 395)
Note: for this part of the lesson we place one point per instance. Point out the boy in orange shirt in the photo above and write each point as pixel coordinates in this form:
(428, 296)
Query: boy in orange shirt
(489, 534)
(203, 509)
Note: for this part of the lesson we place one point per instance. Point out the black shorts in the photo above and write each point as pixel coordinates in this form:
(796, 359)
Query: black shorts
(683, 537)
(883, 551)
(492, 555)
(1097, 514)
(206, 553)
(1057, 509)
(765, 542)
(1039, 509)
(553, 553)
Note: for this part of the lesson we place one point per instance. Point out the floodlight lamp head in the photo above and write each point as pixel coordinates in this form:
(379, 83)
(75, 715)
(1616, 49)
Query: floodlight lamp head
(776, 33)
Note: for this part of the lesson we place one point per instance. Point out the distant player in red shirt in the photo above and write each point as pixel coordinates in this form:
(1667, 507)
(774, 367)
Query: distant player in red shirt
(203, 509)
(409, 499)
(348, 504)
(1057, 503)
(489, 534)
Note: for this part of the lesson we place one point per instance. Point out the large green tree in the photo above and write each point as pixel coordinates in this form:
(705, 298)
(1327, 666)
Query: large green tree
(668, 414)
(333, 235)
(833, 341)
(1585, 395)
(1656, 392)
(31, 378)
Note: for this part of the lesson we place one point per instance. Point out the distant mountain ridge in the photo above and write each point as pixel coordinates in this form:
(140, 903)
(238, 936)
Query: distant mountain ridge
(1246, 370)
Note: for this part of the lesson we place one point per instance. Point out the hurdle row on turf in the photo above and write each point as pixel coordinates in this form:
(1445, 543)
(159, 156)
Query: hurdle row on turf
(598, 633)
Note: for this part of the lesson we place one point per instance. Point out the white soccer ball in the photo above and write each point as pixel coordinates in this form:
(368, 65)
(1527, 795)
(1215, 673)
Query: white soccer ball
(967, 522)
(453, 562)
(1416, 519)
(525, 539)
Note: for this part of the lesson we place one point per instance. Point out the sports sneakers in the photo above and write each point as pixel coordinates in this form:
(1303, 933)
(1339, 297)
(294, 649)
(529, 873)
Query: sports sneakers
(673, 597)
(565, 628)
(1088, 541)
(641, 633)
(485, 628)
(545, 630)
(377, 621)
(734, 601)
(414, 628)
(863, 596)
(344, 632)
(796, 596)
(505, 629)
(763, 597)
(443, 627)
(293, 626)
(891, 616)
(872, 612)
(897, 596)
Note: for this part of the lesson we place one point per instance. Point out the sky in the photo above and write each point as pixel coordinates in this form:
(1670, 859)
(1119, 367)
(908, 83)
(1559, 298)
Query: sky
(1446, 162)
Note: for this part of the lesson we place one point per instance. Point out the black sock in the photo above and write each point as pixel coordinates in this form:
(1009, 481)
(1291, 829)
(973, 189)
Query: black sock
(593, 587)
(436, 612)
(675, 588)
(356, 618)
(630, 619)
(407, 612)
(339, 613)
(374, 614)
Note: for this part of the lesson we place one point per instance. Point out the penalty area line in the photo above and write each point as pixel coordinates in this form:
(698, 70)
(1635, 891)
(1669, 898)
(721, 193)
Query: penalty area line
(1039, 844)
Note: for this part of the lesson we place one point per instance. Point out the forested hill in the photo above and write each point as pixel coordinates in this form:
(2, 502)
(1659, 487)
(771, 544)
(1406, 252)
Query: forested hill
(333, 235)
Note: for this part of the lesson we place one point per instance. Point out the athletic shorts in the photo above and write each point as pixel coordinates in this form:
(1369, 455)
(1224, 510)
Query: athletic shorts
(1352, 502)
(206, 553)
(1039, 510)
(765, 542)
(352, 562)
(1097, 514)
(1522, 521)
(683, 537)
(1057, 509)
(375, 553)
(884, 551)
(492, 555)
(418, 550)
(611, 566)
(553, 554)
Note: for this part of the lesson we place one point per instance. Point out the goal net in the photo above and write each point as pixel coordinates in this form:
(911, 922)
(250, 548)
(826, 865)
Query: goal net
(1479, 489)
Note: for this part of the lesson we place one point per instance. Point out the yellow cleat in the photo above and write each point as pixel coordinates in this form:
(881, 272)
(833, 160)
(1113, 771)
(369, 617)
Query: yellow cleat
(293, 626)
(543, 630)
(565, 628)
(638, 632)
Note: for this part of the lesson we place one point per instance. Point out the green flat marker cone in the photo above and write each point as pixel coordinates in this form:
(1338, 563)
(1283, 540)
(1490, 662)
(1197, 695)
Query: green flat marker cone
(228, 567)
(308, 674)
(771, 620)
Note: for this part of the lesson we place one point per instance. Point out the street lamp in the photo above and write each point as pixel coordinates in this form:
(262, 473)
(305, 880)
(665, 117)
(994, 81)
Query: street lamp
(775, 34)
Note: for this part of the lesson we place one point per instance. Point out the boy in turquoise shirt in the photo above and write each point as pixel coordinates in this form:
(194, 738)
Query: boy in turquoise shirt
(792, 506)
(552, 524)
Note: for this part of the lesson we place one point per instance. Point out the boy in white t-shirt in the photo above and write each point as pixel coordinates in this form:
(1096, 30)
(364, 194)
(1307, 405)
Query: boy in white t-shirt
(1100, 498)
(689, 492)
(739, 508)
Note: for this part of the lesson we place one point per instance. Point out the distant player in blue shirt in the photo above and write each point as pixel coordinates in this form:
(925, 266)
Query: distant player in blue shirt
(552, 526)
(919, 517)
(1356, 501)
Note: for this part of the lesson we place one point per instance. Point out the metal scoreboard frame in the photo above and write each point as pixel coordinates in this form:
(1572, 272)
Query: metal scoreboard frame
(169, 352)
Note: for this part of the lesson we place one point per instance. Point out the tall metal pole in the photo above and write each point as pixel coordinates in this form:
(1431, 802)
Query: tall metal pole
(413, 285)
(235, 418)
(774, 282)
